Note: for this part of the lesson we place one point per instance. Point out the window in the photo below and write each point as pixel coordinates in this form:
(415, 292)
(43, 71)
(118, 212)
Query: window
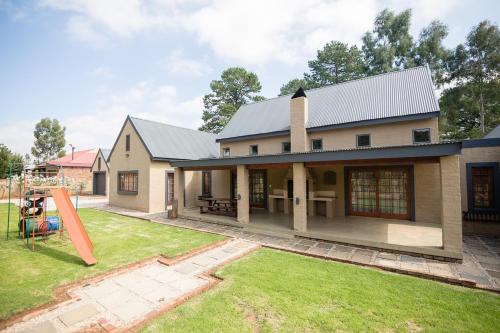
(286, 147)
(99, 163)
(127, 142)
(206, 184)
(363, 140)
(254, 150)
(483, 182)
(422, 135)
(317, 144)
(127, 182)
(226, 152)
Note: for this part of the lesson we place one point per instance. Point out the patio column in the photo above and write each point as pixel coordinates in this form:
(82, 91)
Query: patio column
(243, 190)
(179, 189)
(451, 212)
(299, 197)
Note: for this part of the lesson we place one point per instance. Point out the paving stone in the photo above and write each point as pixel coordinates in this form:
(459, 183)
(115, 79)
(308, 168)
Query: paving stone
(169, 275)
(361, 258)
(162, 294)
(412, 259)
(144, 287)
(323, 245)
(440, 269)
(340, 255)
(307, 242)
(414, 266)
(102, 289)
(487, 259)
(495, 274)
(152, 270)
(299, 247)
(481, 279)
(43, 327)
(186, 268)
(364, 252)
(129, 279)
(387, 255)
(468, 269)
(116, 299)
(133, 309)
(388, 263)
(318, 251)
(205, 261)
(188, 284)
(230, 249)
(78, 314)
(343, 248)
(493, 267)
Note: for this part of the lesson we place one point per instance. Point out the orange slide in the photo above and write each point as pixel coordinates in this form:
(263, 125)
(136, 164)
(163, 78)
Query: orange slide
(72, 223)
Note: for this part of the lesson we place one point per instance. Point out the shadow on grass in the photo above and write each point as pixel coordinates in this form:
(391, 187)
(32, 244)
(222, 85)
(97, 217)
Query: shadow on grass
(59, 255)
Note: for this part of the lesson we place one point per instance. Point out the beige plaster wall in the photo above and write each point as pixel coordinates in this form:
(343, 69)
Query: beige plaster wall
(135, 159)
(474, 155)
(399, 133)
(394, 134)
(427, 183)
(157, 185)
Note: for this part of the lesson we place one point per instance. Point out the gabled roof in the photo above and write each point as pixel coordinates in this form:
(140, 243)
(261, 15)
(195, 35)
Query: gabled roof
(396, 95)
(81, 159)
(167, 142)
(495, 133)
(105, 154)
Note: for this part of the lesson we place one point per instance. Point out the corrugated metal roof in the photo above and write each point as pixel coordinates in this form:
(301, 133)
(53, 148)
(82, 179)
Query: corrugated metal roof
(171, 142)
(495, 133)
(395, 94)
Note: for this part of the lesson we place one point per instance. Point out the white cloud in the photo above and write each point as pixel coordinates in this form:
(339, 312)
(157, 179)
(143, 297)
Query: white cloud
(177, 63)
(99, 127)
(103, 72)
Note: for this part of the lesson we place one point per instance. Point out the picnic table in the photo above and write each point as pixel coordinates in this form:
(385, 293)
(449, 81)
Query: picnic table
(220, 206)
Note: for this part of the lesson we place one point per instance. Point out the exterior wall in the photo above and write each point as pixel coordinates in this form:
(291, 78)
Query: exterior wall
(78, 174)
(451, 215)
(427, 193)
(192, 180)
(395, 134)
(135, 159)
(157, 186)
(475, 155)
(398, 133)
(104, 168)
(270, 145)
(318, 174)
(299, 115)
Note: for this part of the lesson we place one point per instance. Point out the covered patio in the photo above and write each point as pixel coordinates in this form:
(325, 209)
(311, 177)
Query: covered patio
(404, 198)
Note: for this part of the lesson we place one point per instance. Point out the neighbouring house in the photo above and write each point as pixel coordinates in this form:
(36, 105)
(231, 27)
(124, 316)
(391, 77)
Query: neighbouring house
(140, 170)
(358, 162)
(75, 167)
(100, 172)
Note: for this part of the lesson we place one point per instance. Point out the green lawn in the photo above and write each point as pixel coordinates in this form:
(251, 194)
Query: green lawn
(274, 291)
(28, 278)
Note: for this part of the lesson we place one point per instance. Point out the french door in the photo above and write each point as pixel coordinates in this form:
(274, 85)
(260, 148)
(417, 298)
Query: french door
(170, 188)
(258, 188)
(379, 192)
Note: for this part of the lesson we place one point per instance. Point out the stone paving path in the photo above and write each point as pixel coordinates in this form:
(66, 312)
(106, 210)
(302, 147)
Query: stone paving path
(127, 298)
(480, 266)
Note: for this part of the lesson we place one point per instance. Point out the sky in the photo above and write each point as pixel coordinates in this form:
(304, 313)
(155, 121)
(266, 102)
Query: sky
(91, 63)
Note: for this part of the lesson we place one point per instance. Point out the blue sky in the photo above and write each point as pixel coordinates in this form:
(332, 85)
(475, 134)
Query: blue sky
(90, 63)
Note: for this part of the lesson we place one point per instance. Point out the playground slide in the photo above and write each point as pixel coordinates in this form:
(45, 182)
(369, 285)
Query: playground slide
(73, 225)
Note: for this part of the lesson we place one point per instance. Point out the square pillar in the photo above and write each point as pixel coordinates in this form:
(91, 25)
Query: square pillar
(451, 210)
(179, 187)
(299, 197)
(243, 196)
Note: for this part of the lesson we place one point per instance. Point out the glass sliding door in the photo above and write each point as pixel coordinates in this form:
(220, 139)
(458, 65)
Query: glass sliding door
(258, 188)
(379, 192)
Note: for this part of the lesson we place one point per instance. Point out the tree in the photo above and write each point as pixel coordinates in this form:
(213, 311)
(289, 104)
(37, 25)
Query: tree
(8, 158)
(335, 63)
(430, 51)
(49, 140)
(292, 86)
(235, 88)
(388, 47)
(474, 69)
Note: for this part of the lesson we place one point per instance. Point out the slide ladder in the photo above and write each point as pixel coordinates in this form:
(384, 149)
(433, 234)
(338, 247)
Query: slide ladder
(73, 225)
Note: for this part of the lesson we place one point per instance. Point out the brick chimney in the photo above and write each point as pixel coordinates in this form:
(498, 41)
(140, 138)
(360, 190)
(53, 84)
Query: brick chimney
(299, 115)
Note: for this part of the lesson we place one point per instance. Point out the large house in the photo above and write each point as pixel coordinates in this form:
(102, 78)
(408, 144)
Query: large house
(358, 162)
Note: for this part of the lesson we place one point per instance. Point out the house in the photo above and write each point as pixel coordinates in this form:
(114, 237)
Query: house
(141, 176)
(358, 162)
(72, 168)
(100, 172)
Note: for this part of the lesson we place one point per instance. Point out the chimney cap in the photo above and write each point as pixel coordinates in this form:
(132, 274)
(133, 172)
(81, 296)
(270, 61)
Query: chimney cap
(299, 93)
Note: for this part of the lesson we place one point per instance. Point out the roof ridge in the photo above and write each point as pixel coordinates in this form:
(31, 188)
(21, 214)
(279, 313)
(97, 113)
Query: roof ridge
(344, 82)
(170, 125)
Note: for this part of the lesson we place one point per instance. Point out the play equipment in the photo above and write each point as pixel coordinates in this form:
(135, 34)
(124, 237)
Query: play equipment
(34, 221)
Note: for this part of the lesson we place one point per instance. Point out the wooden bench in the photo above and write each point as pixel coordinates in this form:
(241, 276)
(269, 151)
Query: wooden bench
(218, 206)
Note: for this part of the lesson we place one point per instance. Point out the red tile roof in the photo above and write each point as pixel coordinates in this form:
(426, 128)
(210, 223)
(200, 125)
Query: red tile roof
(82, 159)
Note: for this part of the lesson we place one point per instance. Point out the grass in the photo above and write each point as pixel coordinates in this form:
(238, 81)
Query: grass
(28, 278)
(274, 291)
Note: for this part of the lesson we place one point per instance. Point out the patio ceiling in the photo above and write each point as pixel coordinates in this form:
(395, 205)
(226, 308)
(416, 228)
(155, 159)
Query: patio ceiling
(361, 155)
